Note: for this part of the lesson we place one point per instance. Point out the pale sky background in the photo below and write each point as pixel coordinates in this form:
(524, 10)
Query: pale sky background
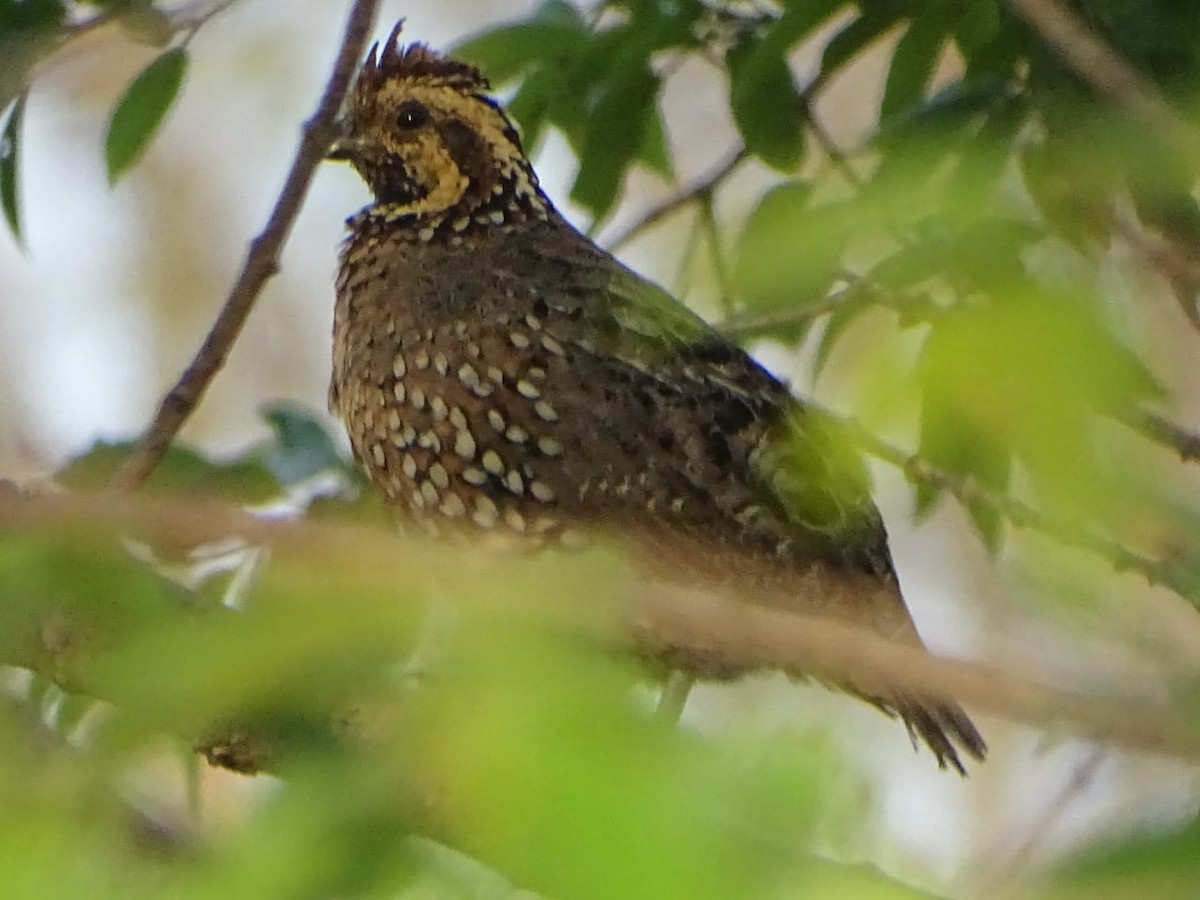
(118, 287)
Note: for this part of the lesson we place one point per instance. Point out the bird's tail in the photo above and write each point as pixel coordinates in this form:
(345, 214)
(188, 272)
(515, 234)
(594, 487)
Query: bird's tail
(940, 723)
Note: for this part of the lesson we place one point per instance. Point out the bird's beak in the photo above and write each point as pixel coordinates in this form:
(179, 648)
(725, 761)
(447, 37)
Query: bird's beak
(344, 147)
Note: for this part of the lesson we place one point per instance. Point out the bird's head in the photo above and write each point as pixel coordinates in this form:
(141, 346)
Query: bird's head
(428, 139)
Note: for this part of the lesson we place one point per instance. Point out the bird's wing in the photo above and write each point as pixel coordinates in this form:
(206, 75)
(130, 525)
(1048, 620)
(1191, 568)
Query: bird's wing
(783, 484)
(811, 481)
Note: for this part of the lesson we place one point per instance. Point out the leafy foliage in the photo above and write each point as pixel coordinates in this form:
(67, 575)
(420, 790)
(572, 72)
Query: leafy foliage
(968, 238)
(9, 159)
(141, 109)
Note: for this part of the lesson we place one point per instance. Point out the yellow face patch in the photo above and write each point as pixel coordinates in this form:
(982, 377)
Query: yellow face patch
(428, 158)
(425, 156)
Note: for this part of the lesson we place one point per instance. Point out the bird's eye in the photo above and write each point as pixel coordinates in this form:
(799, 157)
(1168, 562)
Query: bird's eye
(411, 115)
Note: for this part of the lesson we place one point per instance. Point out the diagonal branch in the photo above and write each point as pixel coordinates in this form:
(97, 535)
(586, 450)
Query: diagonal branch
(1177, 577)
(698, 191)
(1098, 63)
(743, 636)
(262, 259)
(1161, 430)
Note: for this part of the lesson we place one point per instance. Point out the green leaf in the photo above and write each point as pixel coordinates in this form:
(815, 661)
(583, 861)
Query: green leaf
(978, 26)
(915, 143)
(655, 150)
(790, 250)
(947, 445)
(1165, 864)
(145, 23)
(838, 324)
(302, 445)
(182, 471)
(913, 62)
(800, 18)
(30, 15)
(613, 137)
(531, 105)
(856, 36)
(765, 103)
(985, 159)
(554, 32)
(141, 110)
(10, 145)
(1028, 374)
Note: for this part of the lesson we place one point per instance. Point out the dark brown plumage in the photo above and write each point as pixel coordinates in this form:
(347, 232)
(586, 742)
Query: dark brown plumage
(498, 371)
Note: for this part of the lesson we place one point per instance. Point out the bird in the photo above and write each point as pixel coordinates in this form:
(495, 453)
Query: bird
(498, 372)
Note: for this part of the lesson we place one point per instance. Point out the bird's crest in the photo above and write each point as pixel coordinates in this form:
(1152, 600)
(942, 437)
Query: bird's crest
(417, 62)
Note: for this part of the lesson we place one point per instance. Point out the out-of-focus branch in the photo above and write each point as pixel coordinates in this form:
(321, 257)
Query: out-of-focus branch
(919, 471)
(761, 638)
(1012, 864)
(1098, 63)
(747, 326)
(740, 634)
(1173, 259)
(262, 259)
(702, 188)
(183, 17)
(1185, 444)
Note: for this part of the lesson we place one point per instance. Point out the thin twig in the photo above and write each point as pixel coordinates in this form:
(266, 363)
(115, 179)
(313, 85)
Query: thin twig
(834, 153)
(1161, 430)
(720, 266)
(1098, 63)
(196, 13)
(1019, 860)
(185, 17)
(1175, 263)
(1165, 573)
(262, 260)
(749, 325)
(703, 187)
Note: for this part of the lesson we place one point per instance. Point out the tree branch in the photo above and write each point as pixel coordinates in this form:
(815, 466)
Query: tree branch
(703, 187)
(262, 259)
(745, 636)
(1098, 63)
(1164, 573)
(1161, 430)
(1173, 260)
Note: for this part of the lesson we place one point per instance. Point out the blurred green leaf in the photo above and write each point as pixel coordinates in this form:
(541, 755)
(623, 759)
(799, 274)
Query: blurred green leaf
(531, 104)
(141, 109)
(858, 34)
(555, 32)
(918, 141)
(10, 155)
(836, 325)
(1165, 865)
(978, 26)
(614, 135)
(1027, 374)
(913, 63)
(963, 452)
(790, 250)
(302, 446)
(800, 18)
(984, 160)
(145, 23)
(30, 15)
(182, 471)
(655, 149)
(28, 29)
(766, 105)
(73, 597)
(574, 796)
